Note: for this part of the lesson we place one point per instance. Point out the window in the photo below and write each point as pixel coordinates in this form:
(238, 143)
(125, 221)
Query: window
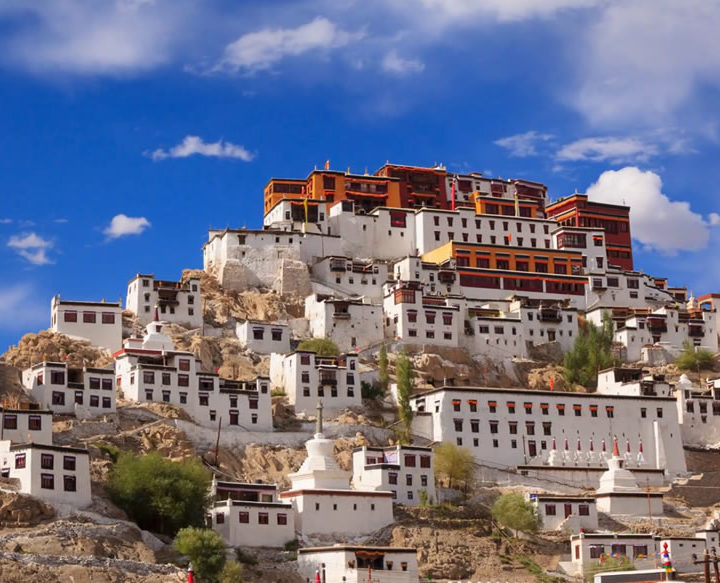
(219, 519)
(493, 426)
(424, 480)
(392, 478)
(244, 517)
(547, 428)
(282, 519)
(70, 483)
(492, 406)
(69, 463)
(89, 317)
(456, 404)
(584, 510)
(458, 424)
(550, 510)
(57, 377)
(409, 460)
(408, 479)
(473, 406)
(252, 403)
(512, 427)
(58, 398)
(578, 410)
(263, 518)
(258, 333)
(305, 377)
(659, 412)
(183, 380)
(9, 421)
(596, 551)
(166, 378)
(610, 410)
(20, 461)
(47, 481)
(107, 384)
(530, 427)
(148, 377)
(108, 318)
(35, 422)
(70, 316)
(643, 412)
(184, 364)
(593, 410)
(148, 397)
(425, 461)
(183, 398)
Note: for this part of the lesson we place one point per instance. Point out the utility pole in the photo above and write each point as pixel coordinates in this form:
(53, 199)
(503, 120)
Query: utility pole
(217, 443)
(705, 561)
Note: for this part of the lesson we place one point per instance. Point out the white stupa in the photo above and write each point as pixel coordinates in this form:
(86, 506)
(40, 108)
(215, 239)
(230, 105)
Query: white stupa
(320, 470)
(153, 339)
(619, 493)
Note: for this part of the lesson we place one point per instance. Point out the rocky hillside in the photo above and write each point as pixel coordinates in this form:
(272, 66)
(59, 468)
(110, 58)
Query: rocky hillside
(49, 345)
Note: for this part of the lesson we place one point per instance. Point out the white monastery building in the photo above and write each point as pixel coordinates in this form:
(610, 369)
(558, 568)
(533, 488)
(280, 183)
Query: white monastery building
(404, 470)
(85, 392)
(100, 323)
(56, 474)
(307, 378)
(250, 515)
(558, 512)
(27, 424)
(358, 564)
(150, 369)
(263, 337)
(349, 323)
(179, 302)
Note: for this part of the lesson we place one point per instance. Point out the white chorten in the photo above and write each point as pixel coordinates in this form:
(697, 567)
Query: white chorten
(617, 478)
(320, 470)
(155, 337)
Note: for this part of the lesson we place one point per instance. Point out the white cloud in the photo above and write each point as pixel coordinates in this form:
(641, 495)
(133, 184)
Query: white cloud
(20, 307)
(601, 149)
(194, 145)
(260, 50)
(523, 145)
(502, 10)
(89, 37)
(645, 58)
(31, 247)
(714, 219)
(395, 64)
(122, 225)
(656, 221)
(5, 221)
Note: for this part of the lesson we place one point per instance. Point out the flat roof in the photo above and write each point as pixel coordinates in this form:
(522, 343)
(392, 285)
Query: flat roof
(530, 392)
(354, 548)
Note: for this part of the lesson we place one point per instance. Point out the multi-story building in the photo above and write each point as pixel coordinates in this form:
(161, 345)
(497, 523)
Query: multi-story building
(307, 378)
(577, 211)
(350, 278)
(250, 515)
(56, 474)
(406, 471)
(350, 323)
(77, 391)
(263, 337)
(26, 424)
(150, 369)
(100, 323)
(179, 302)
(516, 427)
(416, 318)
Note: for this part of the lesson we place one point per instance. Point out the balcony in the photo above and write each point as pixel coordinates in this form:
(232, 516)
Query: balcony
(657, 325)
(695, 331)
(327, 380)
(550, 315)
(337, 265)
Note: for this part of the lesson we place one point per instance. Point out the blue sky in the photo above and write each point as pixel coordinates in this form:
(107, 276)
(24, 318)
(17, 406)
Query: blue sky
(129, 127)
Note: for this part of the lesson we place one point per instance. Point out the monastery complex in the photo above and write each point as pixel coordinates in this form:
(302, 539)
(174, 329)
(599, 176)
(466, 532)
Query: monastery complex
(422, 260)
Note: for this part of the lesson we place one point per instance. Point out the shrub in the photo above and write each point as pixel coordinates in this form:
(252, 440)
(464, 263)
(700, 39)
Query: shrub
(591, 352)
(245, 558)
(370, 391)
(693, 358)
(112, 451)
(607, 564)
(159, 494)
(321, 346)
(204, 548)
(453, 463)
(514, 512)
(232, 573)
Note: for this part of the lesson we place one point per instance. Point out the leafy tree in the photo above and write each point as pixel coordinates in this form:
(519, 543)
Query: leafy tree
(514, 512)
(159, 494)
(383, 374)
(405, 383)
(453, 463)
(605, 565)
(205, 549)
(693, 358)
(232, 573)
(591, 353)
(321, 346)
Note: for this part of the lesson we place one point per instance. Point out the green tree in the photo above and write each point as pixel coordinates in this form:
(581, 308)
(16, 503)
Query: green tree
(694, 358)
(205, 549)
(232, 573)
(159, 494)
(321, 346)
(605, 565)
(405, 383)
(383, 374)
(454, 464)
(591, 353)
(513, 511)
